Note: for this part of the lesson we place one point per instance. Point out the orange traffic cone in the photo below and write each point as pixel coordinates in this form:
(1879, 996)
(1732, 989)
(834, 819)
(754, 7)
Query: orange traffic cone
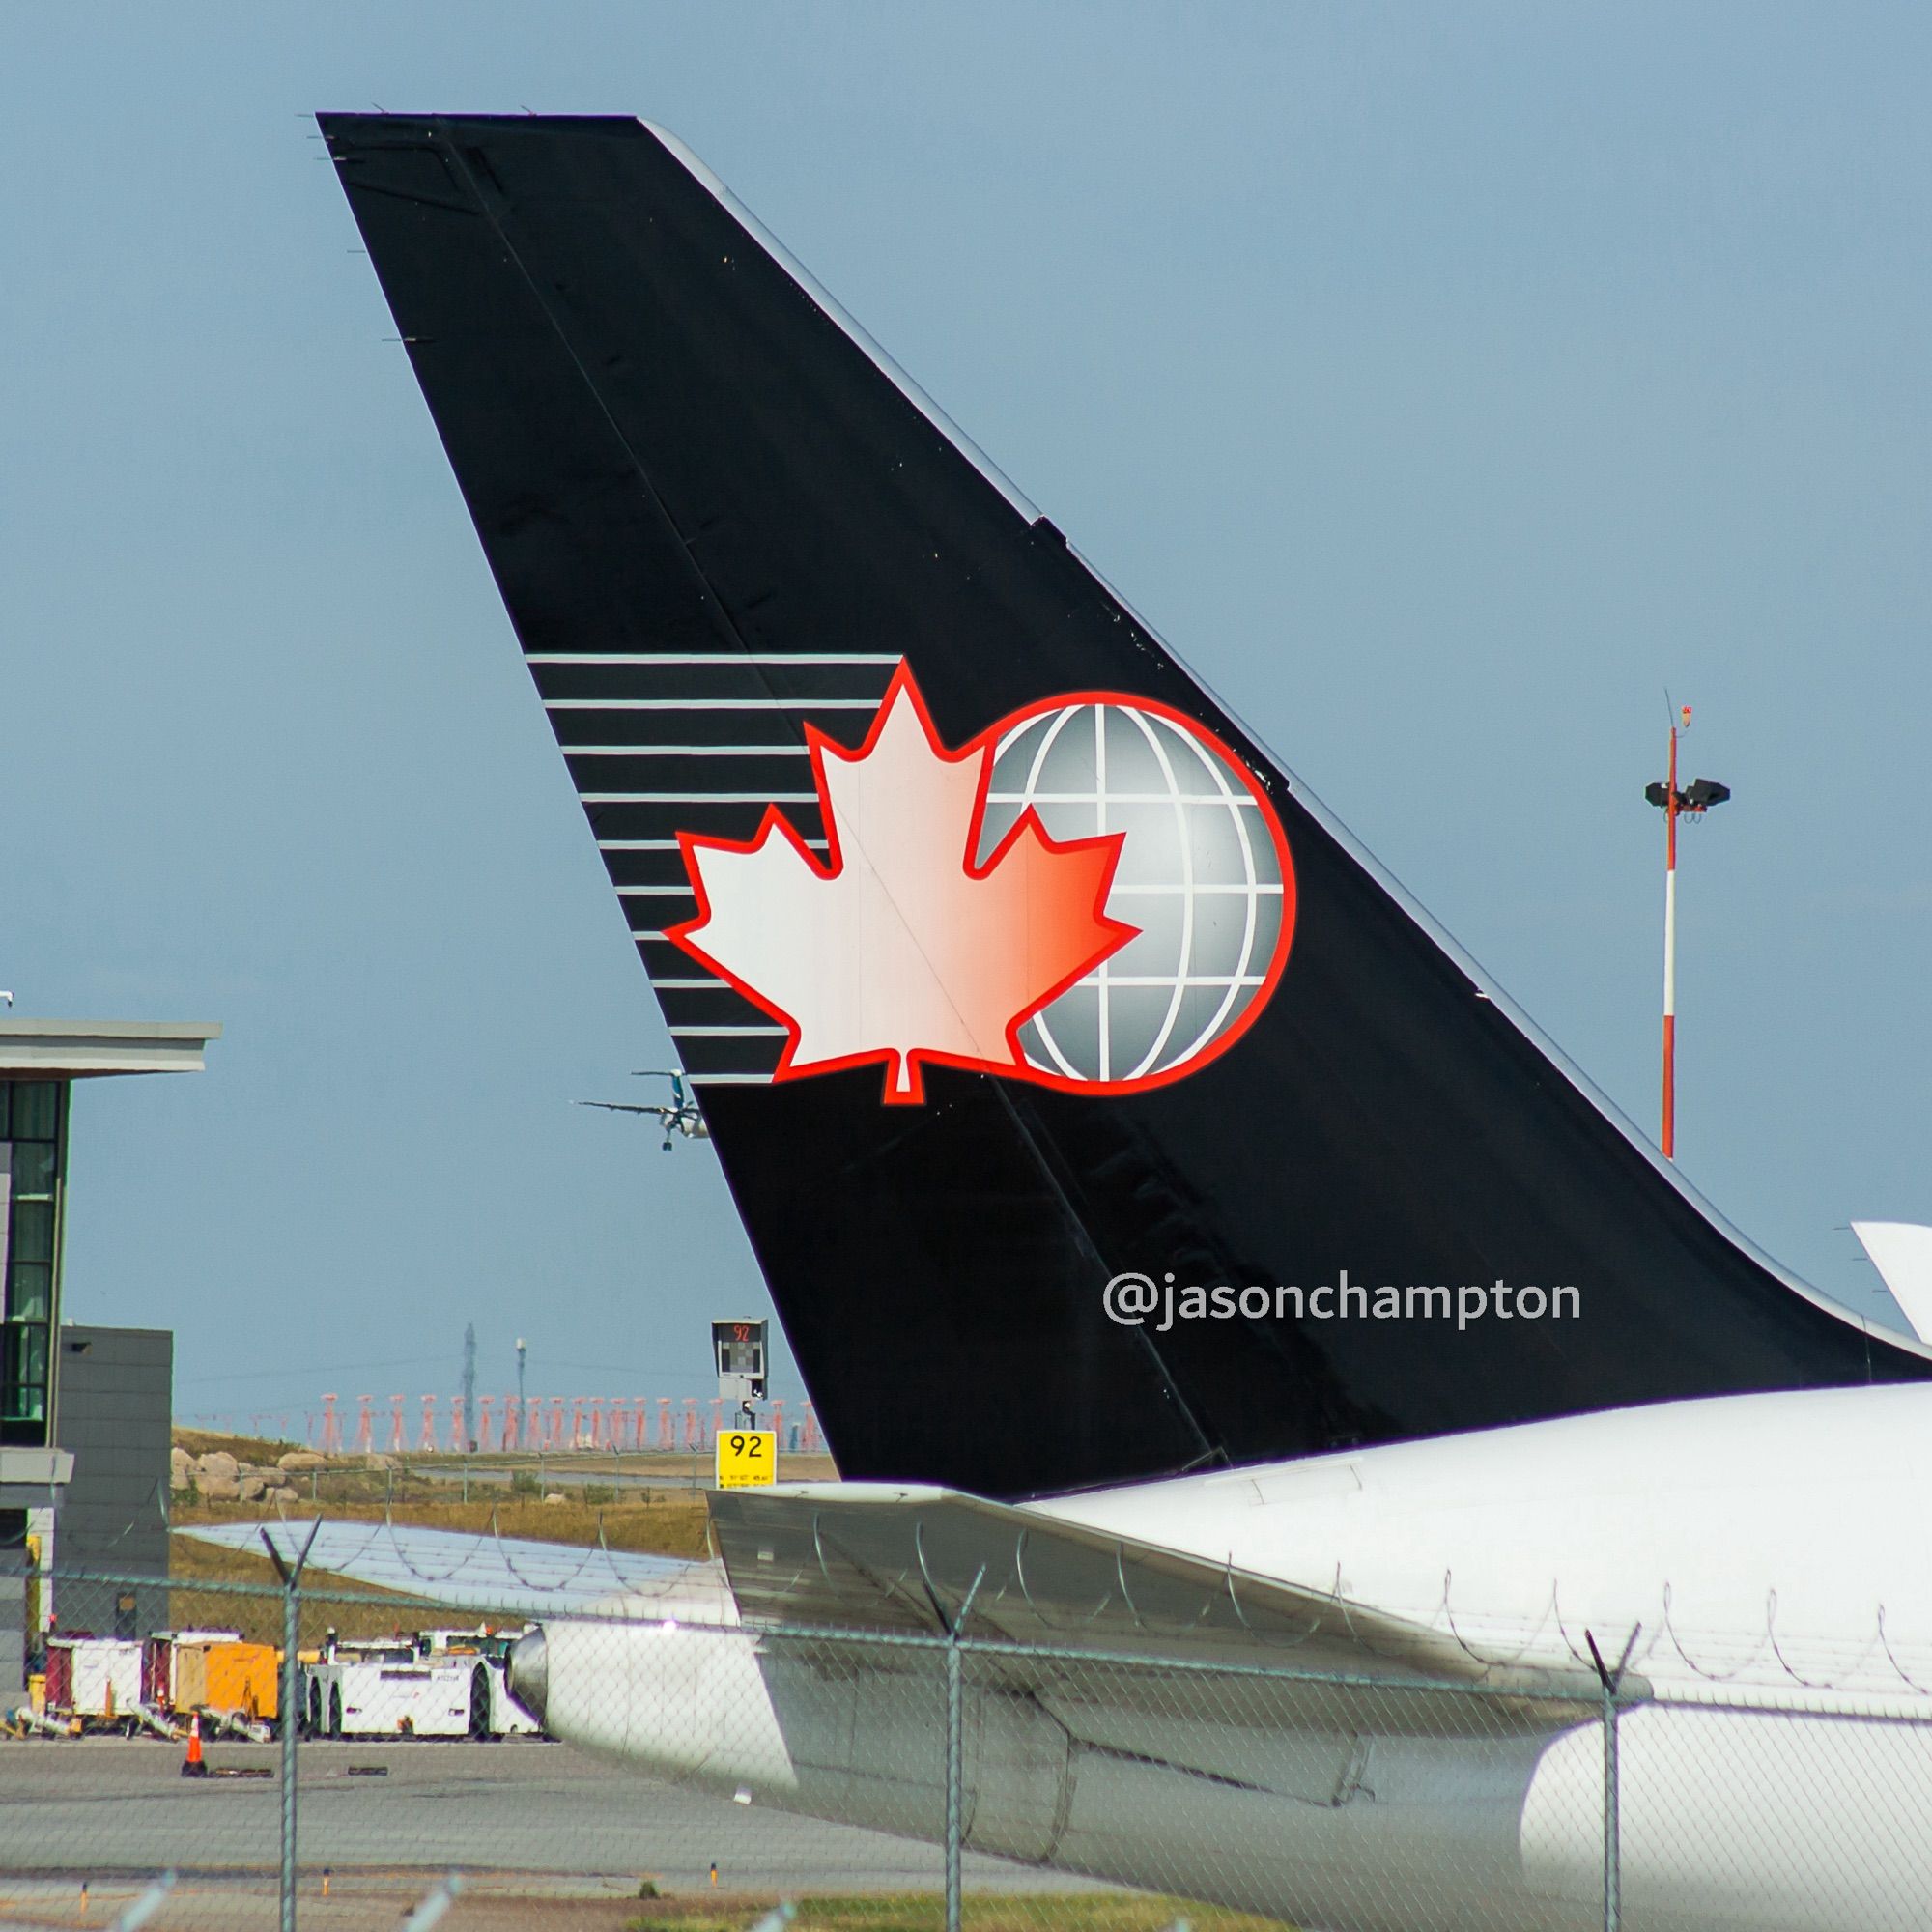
(191, 1765)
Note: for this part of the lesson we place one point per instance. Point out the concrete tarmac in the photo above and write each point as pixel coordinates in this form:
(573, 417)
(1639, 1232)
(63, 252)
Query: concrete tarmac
(522, 1818)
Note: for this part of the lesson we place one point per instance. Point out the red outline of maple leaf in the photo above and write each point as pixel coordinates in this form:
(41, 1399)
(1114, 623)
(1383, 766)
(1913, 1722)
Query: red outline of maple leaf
(1115, 932)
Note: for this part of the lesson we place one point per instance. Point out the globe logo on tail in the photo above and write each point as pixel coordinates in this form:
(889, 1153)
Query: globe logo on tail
(1095, 894)
(1202, 874)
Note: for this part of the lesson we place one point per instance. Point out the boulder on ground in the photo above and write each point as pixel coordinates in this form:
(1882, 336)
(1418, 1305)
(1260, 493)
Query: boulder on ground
(217, 1466)
(181, 1469)
(553, 1497)
(302, 1460)
(252, 1489)
(218, 1489)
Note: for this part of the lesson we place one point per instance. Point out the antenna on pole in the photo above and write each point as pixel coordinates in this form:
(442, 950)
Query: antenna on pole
(1693, 800)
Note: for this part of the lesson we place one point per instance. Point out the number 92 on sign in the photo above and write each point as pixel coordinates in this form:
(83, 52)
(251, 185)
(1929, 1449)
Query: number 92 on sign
(747, 1458)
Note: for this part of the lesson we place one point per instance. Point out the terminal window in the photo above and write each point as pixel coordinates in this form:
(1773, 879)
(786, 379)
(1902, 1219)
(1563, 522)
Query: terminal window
(32, 1117)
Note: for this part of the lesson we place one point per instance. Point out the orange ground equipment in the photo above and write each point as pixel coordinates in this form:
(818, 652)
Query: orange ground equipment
(213, 1670)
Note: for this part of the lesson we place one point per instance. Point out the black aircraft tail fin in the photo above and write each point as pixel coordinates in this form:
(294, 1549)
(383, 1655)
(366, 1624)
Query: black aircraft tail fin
(1003, 962)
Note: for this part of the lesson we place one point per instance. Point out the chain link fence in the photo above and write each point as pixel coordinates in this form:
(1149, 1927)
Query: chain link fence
(291, 1750)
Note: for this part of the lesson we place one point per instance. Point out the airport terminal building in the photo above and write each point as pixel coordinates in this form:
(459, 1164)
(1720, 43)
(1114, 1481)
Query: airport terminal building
(93, 1448)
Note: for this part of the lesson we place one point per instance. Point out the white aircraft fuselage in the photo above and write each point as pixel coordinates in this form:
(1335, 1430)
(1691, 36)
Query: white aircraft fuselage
(1767, 1552)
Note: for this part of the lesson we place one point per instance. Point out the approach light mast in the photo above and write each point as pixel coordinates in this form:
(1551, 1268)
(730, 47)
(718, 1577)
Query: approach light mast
(1695, 800)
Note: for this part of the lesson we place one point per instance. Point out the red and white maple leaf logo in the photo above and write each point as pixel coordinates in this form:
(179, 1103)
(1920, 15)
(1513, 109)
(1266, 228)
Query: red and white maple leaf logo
(898, 948)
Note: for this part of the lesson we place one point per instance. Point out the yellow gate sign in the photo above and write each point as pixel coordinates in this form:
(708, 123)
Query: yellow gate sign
(747, 1458)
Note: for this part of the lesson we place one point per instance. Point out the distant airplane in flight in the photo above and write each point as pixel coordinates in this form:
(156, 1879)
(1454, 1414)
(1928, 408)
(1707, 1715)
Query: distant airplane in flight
(680, 1117)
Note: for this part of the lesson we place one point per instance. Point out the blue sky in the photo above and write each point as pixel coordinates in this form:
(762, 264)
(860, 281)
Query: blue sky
(1446, 381)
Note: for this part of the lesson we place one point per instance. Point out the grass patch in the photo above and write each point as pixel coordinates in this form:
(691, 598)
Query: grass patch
(615, 1484)
(257, 1449)
(925, 1912)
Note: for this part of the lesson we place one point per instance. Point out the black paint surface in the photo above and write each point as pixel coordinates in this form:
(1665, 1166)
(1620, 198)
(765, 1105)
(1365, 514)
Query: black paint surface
(669, 449)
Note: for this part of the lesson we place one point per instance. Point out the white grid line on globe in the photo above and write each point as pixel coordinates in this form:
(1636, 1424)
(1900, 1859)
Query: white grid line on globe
(1053, 731)
(1251, 898)
(1102, 991)
(1253, 903)
(1253, 889)
(1098, 978)
(1239, 802)
(1152, 1057)
(1260, 888)
(1201, 981)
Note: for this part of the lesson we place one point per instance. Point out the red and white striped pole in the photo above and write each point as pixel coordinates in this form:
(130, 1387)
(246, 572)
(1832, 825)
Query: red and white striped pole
(1695, 800)
(1669, 1136)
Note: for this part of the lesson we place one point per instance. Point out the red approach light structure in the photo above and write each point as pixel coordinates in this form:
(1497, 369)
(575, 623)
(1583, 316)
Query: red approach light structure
(1694, 799)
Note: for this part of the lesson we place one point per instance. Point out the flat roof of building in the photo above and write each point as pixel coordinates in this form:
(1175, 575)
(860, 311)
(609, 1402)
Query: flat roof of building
(85, 1050)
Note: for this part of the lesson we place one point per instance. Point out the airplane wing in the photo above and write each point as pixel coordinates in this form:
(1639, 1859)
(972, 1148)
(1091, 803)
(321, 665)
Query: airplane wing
(919, 1561)
(457, 1570)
